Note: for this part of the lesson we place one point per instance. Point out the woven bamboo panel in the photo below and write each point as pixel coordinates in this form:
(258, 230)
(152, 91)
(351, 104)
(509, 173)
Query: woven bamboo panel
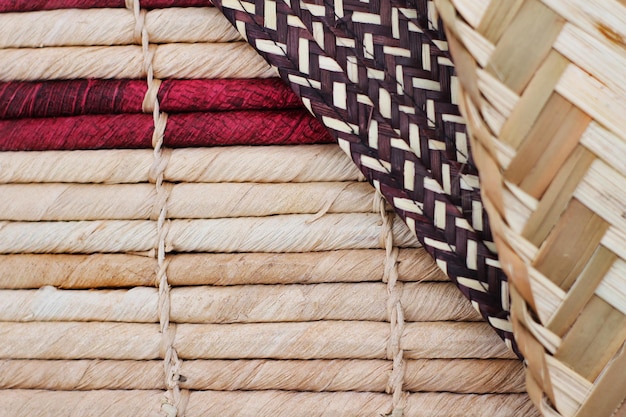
(545, 99)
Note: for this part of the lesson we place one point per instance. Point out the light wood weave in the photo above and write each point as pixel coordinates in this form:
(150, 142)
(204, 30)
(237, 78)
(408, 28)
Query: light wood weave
(545, 97)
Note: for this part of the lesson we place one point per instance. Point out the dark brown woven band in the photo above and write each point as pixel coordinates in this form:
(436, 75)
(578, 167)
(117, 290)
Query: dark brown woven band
(378, 76)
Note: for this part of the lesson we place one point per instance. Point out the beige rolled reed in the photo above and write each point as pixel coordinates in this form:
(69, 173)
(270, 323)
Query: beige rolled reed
(171, 60)
(264, 164)
(303, 340)
(239, 304)
(284, 233)
(101, 26)
(24, 271)
(62, 201)
(307, 404)
(284, 303)
(138, 403)
(465, 376)
(118, 403)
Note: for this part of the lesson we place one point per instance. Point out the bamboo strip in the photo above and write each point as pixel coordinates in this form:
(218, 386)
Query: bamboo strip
(36, 202)
(91, 27)
(35, 403)
(172, 60)
(466, 376)
(341, 340)
(127, 270)
(285, 233)
(220, 164)
(239, 304)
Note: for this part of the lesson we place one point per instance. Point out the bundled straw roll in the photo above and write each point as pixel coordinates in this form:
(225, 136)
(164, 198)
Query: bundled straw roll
(423, 375)
(33, 403)
(36, 202)
(341, 340)
(23, 271)
(238, 304)
(95, 27)
(171, 60)
(265, 164)
(285, 233)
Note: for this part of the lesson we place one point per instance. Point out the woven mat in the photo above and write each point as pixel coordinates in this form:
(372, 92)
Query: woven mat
(384, 86)
(239, 281)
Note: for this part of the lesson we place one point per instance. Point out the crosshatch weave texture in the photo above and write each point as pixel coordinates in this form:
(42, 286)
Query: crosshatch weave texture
(379, 76)
(544, 93)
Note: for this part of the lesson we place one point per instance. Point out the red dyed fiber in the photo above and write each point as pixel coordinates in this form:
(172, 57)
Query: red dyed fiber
(96, 96)
(33, 5)
(183, 130)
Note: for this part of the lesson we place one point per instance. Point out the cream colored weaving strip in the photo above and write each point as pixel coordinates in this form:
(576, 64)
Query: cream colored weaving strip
(471, 376)
(363, 301)
(297, 340)
(284, 233)
(68, 202)
(264, 164)
(24, 271)
(270, 403)
(171, 60)
(106, 26)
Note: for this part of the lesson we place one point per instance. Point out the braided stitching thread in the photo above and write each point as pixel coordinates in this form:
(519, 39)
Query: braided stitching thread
(172, 403)
(394, 309)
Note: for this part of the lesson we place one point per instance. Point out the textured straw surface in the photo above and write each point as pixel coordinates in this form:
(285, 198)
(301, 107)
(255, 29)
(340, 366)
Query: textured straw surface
(231, 281)
(130, 270)
(172, 60)
(426, 375)
(545, 98)
(119, 131)
(267, 164)
(257, 404)
(96, 96)
(113, 27)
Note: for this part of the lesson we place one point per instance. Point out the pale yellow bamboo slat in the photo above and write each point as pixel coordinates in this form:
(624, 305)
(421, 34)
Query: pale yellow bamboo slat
(37, 202)
(127, 270)
(423, 375)
(239, 304)
(341, 340)
(266, 164)
(35, 403)
(170, 60)
(101, 26)
(285, 233)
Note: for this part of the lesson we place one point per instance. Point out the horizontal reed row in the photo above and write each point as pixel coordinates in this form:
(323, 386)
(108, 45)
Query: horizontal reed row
(34, 403)
(171, 60)
(428, 301)
(65, 98)
(285, 233)
(299, 163)
(471, 376)
(23, 271)
(44, 202)
(93, 27)
(301, 340)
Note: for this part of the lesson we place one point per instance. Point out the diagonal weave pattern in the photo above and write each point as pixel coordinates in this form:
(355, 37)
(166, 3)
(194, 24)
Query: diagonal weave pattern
(386, 90)
(545, 99)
